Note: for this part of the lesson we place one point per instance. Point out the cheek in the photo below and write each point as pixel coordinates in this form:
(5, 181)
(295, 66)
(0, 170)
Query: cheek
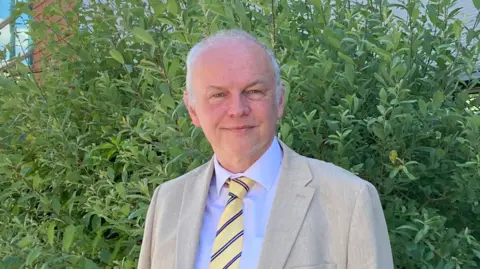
(210, 116)
(265, 113)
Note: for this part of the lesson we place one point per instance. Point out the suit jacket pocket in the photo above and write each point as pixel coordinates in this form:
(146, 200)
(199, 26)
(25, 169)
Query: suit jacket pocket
(318, 266)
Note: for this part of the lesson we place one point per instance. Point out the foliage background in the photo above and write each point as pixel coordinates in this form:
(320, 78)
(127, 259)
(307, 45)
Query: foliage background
(84, 143)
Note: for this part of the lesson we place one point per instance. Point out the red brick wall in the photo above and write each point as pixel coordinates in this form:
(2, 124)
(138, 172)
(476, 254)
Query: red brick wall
(41, 14)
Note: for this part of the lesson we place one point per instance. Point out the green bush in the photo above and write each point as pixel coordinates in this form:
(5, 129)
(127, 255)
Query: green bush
(84, 143)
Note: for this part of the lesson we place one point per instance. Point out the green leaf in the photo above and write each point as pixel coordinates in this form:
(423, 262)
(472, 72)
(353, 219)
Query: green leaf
(89, 264)
(285, 130)
(328, 94)
(449, 265)
(393, 156)
(476, 252)
(51, 233)
(179, 37)
(287, 91)
(147, 65)
(242, 14)
(476, 3)
(25, 242)
(96, 222)
(393, 173)
(432, 13)
(173, 68)
(422, 106)
(409, 175)
(158, 7)
(350, 73)
(346, 58)
(167, 101)
(143, 35)
(56, 206)
(117, 56)
(332, 39)
(216, 8)
(429, 256)
(381, 109)
(438, 99)
(68, 237)
(33, 255)
(407, 227)
(164, 88)
(120, 190)
(105, 256)
(379, 132)
(126, 209)
(172, 6)
(229, 15)
(457, 29)
(421, 234)
(383, 96)
(96, 240)
(327, 67)
(110, 173)
(36, 182)
(380, 79)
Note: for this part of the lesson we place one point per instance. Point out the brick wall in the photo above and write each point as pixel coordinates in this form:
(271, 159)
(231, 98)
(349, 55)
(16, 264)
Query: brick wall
(42, 14)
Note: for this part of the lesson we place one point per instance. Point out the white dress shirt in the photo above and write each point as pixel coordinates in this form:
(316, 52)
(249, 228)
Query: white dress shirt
(257, 205)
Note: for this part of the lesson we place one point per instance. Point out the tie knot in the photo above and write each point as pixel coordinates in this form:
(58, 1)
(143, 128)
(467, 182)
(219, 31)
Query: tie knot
(240, 186)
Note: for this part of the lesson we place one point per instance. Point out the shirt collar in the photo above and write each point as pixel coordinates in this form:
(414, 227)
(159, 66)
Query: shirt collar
(263, 171)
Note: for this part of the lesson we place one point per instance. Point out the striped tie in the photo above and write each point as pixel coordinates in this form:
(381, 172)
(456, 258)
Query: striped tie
(228, 244)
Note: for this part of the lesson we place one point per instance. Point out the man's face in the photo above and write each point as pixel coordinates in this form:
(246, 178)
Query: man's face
(234, 98)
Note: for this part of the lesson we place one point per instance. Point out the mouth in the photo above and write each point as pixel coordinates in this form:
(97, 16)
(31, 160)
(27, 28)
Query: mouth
(240, 128)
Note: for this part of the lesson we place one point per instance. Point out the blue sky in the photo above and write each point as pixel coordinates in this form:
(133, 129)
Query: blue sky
(5, 32)
(4, 8)
(4, 13)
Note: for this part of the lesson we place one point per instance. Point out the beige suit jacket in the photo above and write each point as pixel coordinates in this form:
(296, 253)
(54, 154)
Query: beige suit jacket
(323, 217)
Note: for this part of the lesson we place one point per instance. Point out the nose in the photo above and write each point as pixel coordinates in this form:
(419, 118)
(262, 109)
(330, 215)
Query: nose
(238, 105)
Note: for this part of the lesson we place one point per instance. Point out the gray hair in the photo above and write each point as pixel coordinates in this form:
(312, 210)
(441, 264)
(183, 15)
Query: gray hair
(234, 34)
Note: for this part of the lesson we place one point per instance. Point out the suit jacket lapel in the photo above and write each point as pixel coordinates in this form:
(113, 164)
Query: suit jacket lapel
(191, 217)
(290, 205)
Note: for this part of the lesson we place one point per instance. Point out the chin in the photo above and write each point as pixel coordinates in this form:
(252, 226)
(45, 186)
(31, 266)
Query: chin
(244, 147)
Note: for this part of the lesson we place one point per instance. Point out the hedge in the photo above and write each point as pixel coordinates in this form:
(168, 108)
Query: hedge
(86, 137)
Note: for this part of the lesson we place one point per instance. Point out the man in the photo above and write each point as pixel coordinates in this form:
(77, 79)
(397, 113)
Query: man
(257, 203)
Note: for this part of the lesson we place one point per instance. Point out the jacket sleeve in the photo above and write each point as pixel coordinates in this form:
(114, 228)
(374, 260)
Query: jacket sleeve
(144, 260)
(368, 242)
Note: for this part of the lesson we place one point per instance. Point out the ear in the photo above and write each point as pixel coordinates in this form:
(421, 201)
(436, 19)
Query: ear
(281, 104)
(190, 108)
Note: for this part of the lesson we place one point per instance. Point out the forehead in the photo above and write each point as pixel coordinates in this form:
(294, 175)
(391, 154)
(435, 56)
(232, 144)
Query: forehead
(232, 62)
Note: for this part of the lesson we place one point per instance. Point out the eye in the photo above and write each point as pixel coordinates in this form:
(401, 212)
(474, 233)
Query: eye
(218, 95)
(255, 94)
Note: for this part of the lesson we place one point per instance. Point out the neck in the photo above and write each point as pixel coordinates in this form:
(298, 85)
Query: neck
(236, 165)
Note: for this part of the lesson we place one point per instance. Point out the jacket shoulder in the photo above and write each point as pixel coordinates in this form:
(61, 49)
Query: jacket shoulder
(340, 191)
(177, 184)
(335, 177)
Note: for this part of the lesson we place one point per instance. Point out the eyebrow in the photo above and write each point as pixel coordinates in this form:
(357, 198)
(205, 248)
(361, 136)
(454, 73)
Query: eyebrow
(253, 83)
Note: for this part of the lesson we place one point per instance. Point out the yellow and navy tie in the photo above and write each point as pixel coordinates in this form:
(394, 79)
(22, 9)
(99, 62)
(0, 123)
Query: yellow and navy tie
(228, 244)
